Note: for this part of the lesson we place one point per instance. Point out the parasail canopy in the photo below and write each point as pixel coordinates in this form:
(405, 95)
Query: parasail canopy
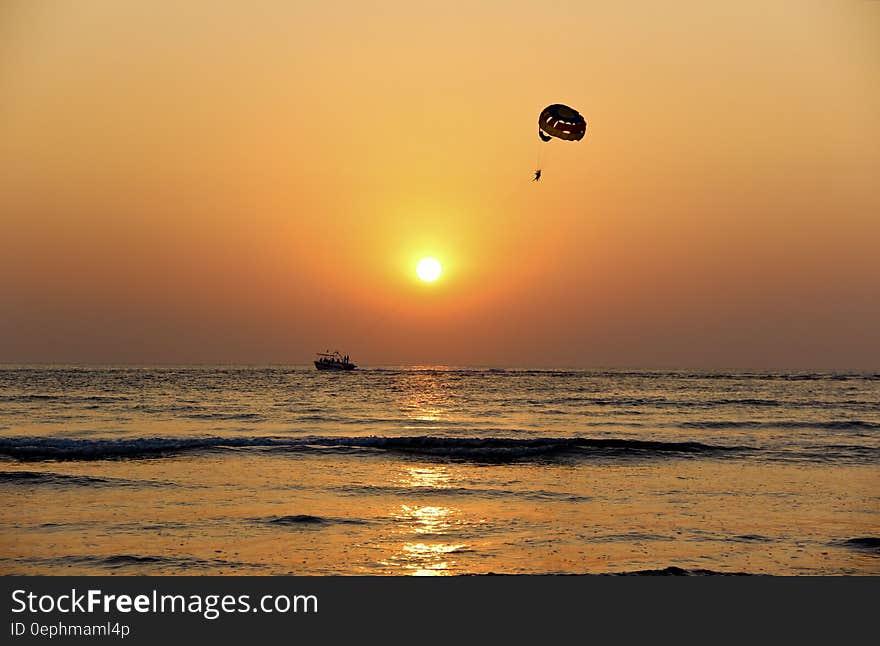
(562, 122)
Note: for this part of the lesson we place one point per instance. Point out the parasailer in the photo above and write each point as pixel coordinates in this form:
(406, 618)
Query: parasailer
(561, 122)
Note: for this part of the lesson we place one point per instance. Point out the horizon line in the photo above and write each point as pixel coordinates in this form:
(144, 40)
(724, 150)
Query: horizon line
(438, 366)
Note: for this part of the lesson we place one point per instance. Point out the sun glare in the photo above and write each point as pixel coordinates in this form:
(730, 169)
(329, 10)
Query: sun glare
(428, 269)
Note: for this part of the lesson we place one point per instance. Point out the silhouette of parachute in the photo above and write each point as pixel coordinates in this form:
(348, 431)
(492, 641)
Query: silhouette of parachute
(562, 122)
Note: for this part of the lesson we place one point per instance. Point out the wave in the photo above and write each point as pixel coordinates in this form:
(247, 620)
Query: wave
(829, 425)
(135, 561)
(862, 543)
(751, 538)
(541, 495)
(45, 478)
(665, 402)
(673, 570)
(475, 448)
(636, 538)
(245, 417)
(661, 402)
(305, 520)
(65, 399)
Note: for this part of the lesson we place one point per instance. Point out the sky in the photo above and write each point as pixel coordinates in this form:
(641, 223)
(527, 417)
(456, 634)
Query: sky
(251, 182)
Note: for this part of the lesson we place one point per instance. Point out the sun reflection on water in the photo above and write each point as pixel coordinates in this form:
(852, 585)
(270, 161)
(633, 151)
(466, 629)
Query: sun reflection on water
(426, 559)
(428, 401)
(431, 477)
(421, 556)
(425, 520)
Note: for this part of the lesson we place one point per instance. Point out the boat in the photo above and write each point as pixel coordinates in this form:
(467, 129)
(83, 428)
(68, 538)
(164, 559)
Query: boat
(333, 361)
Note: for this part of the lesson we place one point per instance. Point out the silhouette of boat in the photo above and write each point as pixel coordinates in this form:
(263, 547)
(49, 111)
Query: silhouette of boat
(333, 361)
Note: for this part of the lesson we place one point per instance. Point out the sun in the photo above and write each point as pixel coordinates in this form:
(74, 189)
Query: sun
(429, 269)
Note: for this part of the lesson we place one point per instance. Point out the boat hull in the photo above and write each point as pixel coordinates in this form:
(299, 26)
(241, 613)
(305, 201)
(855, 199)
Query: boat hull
(339, 367)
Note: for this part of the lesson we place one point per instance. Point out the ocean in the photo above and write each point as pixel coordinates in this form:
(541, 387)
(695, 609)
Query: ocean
(436, 471)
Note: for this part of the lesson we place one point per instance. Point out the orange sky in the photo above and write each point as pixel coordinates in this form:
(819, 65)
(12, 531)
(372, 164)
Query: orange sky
(252, 182)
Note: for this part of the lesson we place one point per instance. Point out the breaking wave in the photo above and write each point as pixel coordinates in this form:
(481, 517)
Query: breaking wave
(475, 448)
